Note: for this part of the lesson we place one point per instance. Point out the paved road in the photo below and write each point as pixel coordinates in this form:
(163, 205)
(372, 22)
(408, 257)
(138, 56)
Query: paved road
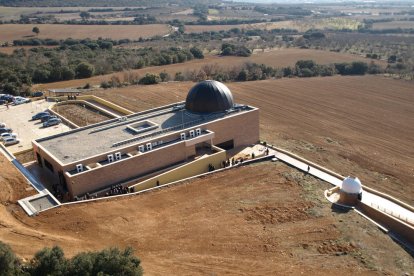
(368, 198)
(17, 118)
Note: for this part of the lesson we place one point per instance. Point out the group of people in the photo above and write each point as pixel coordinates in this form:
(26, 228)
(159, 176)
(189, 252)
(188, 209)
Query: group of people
(231, 162)
(71, 97)
(117, 190)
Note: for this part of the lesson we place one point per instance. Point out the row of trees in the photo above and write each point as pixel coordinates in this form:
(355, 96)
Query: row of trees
(38, 65)
(52, 261)
(249, 72)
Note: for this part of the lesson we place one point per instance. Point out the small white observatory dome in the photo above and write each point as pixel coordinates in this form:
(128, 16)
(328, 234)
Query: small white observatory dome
(351, 185)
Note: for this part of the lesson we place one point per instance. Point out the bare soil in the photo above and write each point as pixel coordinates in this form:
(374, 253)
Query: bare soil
(10, 32)
(13, 186)
(264, 219)
(81, 116)
(362, 126)
(25, 157)
(275, 57)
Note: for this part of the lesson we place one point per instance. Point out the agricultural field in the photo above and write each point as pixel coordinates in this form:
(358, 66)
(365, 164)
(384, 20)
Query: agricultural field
(14, 13)
(359, 126)
(393, 25)
(300, 25)
(258, 220)
(10, 32)
(274, 57)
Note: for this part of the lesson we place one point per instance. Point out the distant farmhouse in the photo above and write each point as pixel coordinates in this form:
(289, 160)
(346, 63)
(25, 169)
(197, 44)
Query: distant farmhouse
(118, 151)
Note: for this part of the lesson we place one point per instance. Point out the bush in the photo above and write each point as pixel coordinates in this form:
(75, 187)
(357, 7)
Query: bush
(84, 70)
(9, 264)
(150, 79)
(179, 76)
(49, 261)
(164, 76)
(197, 53)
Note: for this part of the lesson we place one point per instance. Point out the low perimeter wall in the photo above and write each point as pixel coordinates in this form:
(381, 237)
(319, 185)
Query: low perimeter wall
(113, 106)
(402, 229)
(193, 168)
(373, 191)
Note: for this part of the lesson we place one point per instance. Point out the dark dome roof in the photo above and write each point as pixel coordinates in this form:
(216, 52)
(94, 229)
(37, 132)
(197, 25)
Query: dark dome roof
(209, 96)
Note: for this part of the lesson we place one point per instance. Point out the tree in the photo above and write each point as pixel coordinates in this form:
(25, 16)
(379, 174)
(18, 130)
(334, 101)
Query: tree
(84, 15)
(84, 70)
(150, 79)
(242, 76)
(49, 261)
(164, 76)
(9, 264)
(197, 53)
(36, 30)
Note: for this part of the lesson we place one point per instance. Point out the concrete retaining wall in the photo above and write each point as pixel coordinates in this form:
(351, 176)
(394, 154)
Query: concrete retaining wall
(193, 168)
(402, 229)
(373, 191)
(113, 106)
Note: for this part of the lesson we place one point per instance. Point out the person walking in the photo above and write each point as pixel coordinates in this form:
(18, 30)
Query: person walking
(7, 105)
(308, 168)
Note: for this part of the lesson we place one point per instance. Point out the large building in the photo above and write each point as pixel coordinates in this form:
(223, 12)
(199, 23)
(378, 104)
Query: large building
(92, 158)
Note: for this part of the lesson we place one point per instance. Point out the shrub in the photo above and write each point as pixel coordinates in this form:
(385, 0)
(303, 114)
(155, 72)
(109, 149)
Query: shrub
(9, 264)
(197, 53)
(49, 261)
(84, 70)
(150, 79)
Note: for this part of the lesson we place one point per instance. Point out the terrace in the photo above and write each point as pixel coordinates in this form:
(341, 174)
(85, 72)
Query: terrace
(112, 135)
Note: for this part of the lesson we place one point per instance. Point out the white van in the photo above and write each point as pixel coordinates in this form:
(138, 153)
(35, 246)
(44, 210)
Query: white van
(10, 141)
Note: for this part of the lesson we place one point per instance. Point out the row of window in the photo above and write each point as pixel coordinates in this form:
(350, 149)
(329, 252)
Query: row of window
(142, 148)
(193, 133)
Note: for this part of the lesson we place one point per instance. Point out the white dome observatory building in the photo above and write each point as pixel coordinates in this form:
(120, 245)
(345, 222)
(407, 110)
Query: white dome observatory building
(350, 191)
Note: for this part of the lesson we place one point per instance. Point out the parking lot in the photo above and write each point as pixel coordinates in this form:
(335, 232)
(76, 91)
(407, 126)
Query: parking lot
(19, 119)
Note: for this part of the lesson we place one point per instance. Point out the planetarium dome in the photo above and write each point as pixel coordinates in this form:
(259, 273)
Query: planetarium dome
(209, 96)
(351, 185)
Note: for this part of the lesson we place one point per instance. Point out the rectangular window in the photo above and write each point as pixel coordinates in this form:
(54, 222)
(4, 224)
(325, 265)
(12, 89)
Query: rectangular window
(48, 165)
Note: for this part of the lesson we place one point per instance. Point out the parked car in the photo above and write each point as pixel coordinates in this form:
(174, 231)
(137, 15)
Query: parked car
(37, 94)
(20, 100)
(39, 115)
(52, 122)
(10, 141)
(6, 97)
(47, 118)
(6, 135)
(2, 102)
(5, 129)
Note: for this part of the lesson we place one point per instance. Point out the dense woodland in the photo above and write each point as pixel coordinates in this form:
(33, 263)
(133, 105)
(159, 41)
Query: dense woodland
(80, 59)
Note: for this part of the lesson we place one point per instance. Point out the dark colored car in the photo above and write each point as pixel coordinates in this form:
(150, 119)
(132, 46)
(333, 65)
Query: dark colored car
(52, 122)
(5, 129)
(39, 115)
(7, 97)
(47, 118)
(3, 101)
(37, 94)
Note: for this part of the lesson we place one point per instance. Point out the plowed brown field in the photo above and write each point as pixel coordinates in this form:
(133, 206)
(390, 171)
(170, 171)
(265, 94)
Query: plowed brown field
(275, 58)
(256, 220)
(10, 32)
(263, 219)
(361, 126)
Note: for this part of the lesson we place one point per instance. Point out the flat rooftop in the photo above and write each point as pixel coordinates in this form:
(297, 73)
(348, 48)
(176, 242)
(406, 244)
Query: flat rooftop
(82, 143)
